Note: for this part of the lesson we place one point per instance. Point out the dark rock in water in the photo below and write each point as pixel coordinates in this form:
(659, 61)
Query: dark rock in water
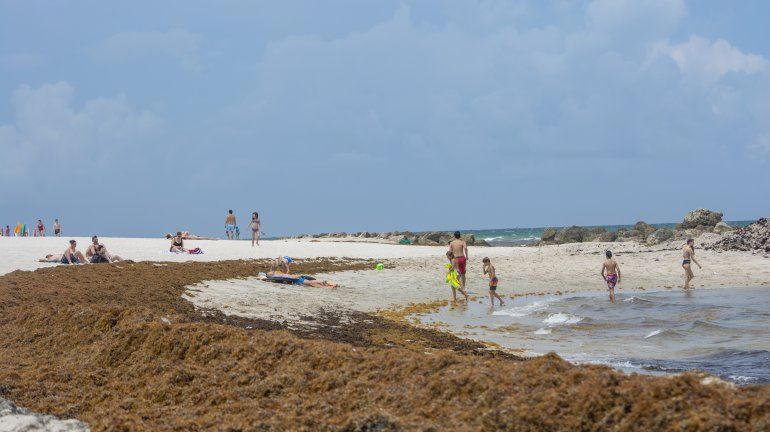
(701, 219)
(754, 237)
(659, 236)
(573, 234)
(549, 234)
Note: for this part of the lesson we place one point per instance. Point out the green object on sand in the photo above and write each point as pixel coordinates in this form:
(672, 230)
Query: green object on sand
(404, 241)
(380, 266)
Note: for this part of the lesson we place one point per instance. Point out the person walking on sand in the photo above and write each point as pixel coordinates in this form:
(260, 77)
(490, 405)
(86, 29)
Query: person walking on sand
(688, 254)
(230, 225)
(255, 226)
(56, 228)
(40, 229)
(611, 274)
(452, 277)
(459, 250)
(489, 269)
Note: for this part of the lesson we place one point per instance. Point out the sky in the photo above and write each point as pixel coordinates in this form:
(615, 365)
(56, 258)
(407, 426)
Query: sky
(139, 118)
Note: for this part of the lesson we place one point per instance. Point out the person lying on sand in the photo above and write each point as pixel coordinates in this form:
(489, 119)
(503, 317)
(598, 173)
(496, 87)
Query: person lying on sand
(187, 236)
(50, 258)
(301, 280)
(72, 255)
(611, 274)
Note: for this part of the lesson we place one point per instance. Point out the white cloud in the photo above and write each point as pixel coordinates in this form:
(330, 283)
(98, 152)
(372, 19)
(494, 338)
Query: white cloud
(705, 62)
(50, 136)
(178, 44)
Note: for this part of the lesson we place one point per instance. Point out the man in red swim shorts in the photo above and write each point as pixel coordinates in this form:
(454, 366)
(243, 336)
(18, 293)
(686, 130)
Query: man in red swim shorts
(460, 251)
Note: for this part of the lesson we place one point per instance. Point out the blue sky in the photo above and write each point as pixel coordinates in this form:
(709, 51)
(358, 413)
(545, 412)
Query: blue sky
(143, 117)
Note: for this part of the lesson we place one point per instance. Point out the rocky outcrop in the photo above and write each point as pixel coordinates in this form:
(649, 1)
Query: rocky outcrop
(660, 236)
(754, 237)
(549, 234)
(722, 228)
(431, 238)
(701, 219)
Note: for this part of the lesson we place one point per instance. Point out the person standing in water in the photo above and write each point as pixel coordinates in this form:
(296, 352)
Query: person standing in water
(489, 269)
(230, 225)
(688, 254)
(611, 274)
(56, 228)
(255, 226)
(459, 250)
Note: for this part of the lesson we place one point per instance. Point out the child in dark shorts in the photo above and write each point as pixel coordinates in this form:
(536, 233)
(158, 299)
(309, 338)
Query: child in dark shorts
(489, 269)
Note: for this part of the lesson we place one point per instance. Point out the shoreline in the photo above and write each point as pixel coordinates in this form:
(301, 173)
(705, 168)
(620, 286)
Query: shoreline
(123, 349)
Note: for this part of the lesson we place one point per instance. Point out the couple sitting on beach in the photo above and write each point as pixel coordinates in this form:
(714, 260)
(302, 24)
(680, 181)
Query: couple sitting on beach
(95, 254)
(177, 245)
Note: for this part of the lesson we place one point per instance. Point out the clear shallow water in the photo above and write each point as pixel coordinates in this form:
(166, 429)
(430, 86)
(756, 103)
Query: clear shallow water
(521, 236)
(725, 332)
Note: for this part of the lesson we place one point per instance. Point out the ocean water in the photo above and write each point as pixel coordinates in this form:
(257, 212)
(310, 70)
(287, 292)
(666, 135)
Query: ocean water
(522, 236)
(724, 332)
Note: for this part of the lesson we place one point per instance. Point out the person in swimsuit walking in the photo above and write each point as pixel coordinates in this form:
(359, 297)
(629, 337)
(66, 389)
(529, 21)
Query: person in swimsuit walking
(230, 225)
(459, 250)
(611, 274)
(56, 228)
(255, 226)
(688, 254)
(489, 269)
(40, 229)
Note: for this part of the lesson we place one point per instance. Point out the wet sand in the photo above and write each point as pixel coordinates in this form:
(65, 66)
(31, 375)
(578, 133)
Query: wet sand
(117, 346)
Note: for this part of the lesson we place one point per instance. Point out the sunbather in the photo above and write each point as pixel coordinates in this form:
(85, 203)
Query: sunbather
(177, 243)
(301, 280)
(187, 236)
(50, 258)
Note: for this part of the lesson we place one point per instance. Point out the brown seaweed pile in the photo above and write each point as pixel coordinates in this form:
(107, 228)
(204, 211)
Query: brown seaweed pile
(117, 347)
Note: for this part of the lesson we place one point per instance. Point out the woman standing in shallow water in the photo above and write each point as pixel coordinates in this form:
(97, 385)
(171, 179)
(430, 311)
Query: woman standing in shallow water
(255, 226)
(688, 254)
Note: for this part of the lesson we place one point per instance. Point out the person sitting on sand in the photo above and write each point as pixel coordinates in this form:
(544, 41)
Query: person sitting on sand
(91, 251)
(610, 273)
(688, 254)
(489, 269)
(50, 258)
(283, 263)
(102, 256)
(187, 236)
(177, 244)
(72, 255)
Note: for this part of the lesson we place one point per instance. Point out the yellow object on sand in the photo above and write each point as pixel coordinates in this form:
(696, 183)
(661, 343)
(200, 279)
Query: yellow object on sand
(452, 278)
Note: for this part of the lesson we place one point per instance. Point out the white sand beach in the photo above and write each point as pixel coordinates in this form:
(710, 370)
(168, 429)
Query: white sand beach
(418, 276)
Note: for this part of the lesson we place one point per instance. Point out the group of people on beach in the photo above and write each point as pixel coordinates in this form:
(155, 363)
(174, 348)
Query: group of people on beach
(96, 253)
(21, 230)
(232, 232)
(610, 271)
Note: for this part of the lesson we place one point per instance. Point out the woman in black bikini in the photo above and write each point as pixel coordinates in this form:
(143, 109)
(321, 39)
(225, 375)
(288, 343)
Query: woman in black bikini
(688, 254)
(255, 226)
(177, 244)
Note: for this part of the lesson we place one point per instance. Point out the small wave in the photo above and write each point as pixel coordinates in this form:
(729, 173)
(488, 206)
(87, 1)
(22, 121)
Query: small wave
(653, 333)
(664, 333)
(521, 311)
(637, 300)
(543, 331)
(562, 318)
(492, 239)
